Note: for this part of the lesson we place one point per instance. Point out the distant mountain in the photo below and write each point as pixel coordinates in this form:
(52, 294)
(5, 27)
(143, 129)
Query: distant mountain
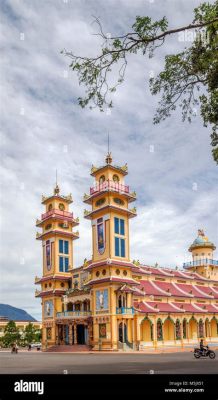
(15, 314)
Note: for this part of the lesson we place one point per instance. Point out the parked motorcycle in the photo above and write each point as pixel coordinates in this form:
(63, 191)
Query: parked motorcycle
(204, 353)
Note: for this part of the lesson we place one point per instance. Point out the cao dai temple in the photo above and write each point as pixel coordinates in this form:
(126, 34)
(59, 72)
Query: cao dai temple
(110, 302)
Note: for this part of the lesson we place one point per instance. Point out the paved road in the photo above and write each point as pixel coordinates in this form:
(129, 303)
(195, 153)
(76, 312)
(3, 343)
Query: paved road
(57, 363)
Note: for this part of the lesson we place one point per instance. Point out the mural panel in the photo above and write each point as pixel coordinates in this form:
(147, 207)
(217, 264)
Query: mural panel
(102, 299)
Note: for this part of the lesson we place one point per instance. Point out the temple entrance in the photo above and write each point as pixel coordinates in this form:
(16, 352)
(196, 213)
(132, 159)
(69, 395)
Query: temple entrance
(80, 334)
(146, 331)
(122, 333)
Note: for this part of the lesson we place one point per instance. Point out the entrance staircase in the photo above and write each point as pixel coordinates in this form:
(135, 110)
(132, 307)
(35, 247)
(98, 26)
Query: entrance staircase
(75, 348)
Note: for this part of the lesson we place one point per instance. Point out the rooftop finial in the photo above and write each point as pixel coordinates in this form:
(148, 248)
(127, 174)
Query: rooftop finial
(56, 189)
(108, 158)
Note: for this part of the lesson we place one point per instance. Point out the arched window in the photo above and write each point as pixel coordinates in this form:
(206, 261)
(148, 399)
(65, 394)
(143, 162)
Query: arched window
(101, 179)
(116, 178)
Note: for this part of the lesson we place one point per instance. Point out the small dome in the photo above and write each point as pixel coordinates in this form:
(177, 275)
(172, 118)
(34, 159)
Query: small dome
(201, 241)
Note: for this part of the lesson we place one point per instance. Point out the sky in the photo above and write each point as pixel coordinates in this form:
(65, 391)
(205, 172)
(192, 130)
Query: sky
(44, 129)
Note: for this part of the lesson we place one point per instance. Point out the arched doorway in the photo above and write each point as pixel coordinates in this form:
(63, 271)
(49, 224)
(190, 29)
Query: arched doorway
(122, 334)
(193, 328)
(214, 327)
(80, 334)
(146, 330)
(168, 329)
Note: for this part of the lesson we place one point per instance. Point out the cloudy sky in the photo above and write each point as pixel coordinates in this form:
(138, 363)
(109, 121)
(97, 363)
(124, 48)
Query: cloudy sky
(43, 128)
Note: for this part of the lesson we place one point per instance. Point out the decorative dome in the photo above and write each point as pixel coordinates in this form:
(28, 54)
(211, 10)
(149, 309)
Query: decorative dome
(201, 241)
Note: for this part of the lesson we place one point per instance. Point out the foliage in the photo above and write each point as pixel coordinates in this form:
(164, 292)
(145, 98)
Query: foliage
(11, 334)
(189, 78)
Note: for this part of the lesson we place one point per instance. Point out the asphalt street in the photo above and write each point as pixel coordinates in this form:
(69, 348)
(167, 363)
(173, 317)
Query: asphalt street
(95, 363)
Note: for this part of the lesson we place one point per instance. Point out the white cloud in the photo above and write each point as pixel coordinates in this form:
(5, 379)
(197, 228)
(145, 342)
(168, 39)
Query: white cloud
(40, 117)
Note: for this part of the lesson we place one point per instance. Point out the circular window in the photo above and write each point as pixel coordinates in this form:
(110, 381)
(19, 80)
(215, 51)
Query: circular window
(101, 179)
(48, 226)
(116, 178)
(125, 273)
(97, 273)
(62, 284)
(117, 271)
(100, 202)
(104, 272)
(118, 201)
(50, 207)
(61, 206)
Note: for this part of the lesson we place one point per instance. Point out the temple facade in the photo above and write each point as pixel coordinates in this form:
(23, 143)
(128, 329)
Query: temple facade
(111, 302)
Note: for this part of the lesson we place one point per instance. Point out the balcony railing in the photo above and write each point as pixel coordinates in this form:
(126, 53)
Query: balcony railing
(125, 310)
(203, 261)
(73, 314)
(54, 211)
(109, 185)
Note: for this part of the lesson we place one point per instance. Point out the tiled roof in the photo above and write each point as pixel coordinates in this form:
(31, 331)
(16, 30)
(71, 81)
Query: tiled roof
(150, 288)
(215, 292)
(209, 307)
(171, 289)
(191, 290)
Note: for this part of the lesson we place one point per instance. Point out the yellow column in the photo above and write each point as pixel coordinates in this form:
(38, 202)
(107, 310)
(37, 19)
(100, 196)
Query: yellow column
(155, 333)
(181, 333)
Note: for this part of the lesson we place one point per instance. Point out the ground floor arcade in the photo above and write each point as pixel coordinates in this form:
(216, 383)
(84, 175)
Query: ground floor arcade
(135, 331)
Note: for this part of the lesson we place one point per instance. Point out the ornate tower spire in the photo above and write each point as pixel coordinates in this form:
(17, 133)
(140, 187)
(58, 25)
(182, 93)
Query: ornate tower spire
(108, 158)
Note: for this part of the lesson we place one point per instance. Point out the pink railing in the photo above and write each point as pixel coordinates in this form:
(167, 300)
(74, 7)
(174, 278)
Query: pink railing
(109, 185)
(57, 212)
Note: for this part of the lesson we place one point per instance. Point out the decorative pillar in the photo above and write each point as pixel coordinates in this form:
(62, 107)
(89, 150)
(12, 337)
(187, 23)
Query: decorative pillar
(155, 333)
(70, 334)
(181, 333)
(75, 334)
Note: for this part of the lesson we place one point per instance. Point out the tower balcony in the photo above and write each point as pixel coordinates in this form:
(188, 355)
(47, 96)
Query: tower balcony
(55, 213)
(109, 186)
(200, 262)
(125, 310)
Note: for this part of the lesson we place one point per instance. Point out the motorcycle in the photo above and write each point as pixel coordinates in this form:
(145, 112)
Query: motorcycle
(204, 353)
(14, 350)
